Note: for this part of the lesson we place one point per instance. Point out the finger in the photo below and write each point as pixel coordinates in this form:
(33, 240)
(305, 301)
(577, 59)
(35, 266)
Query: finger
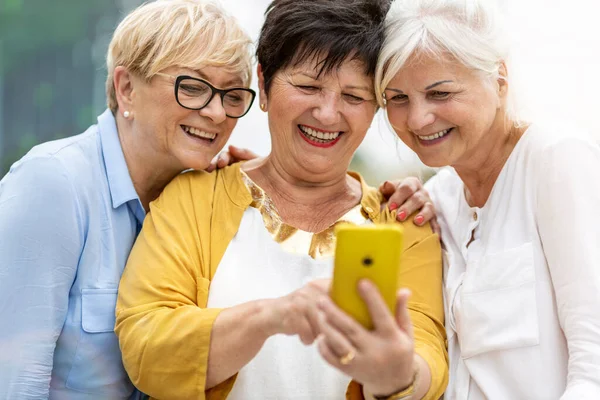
(383, 320)
(335, 340)
(402, 313)
(388, 188)
(224, 159)
(338, 319)
(240, 154)
(426, 214)
(213, 165)
(404, 190)
(407, 198)
(305, 330)
(331, 358)
(435, 226)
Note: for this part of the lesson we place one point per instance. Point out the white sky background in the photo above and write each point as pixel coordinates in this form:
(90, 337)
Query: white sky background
(555, 70)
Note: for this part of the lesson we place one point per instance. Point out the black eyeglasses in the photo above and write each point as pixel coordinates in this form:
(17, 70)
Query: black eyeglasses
(195, 94)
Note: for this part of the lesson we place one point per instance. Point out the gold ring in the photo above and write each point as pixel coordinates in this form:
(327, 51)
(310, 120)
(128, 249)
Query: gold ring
(347, 359)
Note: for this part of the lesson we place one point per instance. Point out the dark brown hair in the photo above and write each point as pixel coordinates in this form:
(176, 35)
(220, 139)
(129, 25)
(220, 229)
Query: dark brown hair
(327, 31)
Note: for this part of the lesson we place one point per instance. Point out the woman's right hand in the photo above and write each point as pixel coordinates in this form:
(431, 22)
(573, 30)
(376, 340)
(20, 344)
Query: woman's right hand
(298, 312)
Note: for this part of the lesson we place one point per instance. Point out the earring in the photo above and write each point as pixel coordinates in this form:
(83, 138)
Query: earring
(126, 114)
(263, 106)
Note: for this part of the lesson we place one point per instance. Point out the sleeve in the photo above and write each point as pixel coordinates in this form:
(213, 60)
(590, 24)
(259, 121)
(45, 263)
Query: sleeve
(40, 245)
(568, 197)
(163, 328)
(421, 272)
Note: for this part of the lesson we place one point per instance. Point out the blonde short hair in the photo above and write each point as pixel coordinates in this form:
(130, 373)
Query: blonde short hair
(186, 33)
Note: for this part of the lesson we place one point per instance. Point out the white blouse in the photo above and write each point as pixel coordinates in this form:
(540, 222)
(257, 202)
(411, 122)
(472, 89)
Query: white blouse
(523, 298)
(269, 259)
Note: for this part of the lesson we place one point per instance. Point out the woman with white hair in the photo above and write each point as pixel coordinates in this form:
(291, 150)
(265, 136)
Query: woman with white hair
(522, 280)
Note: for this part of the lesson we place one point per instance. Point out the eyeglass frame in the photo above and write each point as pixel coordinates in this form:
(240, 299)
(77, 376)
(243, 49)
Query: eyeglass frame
(214, 90)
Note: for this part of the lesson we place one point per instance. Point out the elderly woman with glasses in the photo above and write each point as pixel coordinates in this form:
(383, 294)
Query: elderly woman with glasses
(225, 294)
(70, 210)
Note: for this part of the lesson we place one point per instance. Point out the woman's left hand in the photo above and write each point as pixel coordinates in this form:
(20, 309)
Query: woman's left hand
(382, 360)
(409, 196)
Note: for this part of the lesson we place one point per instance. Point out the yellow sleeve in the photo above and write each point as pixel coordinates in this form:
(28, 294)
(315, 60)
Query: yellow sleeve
(421, 271)
(162, 325)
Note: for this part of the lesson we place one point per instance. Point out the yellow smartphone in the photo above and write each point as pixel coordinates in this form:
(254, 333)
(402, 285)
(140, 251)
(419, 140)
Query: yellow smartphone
(367, 251)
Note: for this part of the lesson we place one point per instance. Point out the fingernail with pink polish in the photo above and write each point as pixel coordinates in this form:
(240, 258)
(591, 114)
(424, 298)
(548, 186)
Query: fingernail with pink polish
(419, 219)
(402, 215)
(393, 206)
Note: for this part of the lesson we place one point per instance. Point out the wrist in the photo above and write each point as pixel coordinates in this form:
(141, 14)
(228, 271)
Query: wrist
(269, 320)
(403, 390)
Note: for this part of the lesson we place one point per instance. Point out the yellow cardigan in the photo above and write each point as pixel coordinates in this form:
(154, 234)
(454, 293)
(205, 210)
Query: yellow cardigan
(163, 325)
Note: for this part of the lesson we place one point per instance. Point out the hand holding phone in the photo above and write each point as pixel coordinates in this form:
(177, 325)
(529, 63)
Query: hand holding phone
(366, 252)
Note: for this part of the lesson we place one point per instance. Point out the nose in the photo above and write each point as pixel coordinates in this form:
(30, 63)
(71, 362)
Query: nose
(214, 110)
(420, 115)
(328, 110)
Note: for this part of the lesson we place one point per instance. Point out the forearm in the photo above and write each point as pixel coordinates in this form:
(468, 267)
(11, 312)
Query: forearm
(237, 336)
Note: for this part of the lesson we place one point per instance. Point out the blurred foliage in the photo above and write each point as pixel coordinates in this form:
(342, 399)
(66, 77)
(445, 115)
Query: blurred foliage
(28, 27)
(49, 62)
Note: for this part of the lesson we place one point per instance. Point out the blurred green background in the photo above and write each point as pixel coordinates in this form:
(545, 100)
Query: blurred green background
(52, 72)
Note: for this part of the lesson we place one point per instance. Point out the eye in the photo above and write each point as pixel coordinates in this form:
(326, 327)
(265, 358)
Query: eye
(439, 95)
(396, 98)
(352, 99)
(233, 98)
(308, 88)
(193, 89)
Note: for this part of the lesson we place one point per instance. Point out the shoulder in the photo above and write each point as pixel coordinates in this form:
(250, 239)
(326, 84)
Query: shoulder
(51, 163)
(200, 189)
(556, 143)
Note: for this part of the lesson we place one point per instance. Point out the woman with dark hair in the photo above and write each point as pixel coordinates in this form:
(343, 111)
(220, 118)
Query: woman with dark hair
(226, 289)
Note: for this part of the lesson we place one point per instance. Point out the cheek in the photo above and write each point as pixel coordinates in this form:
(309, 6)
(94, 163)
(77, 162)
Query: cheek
(230, 124)
(397, 118)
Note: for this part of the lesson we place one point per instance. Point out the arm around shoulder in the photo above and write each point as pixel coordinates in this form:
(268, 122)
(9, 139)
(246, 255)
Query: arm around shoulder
(163, 326)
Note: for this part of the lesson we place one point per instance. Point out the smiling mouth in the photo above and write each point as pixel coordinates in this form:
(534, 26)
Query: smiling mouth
(198, 133)
(434, 138)
(315, 136)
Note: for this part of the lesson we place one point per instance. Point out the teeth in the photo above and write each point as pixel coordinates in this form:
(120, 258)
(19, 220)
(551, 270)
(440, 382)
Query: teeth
(435, 135)
(322, 136)
(197, 132)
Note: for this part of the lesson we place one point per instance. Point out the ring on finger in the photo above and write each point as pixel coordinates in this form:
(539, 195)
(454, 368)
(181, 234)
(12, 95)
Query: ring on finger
(347, 359)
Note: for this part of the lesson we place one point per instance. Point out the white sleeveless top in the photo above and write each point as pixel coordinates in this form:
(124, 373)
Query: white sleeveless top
(268, 262)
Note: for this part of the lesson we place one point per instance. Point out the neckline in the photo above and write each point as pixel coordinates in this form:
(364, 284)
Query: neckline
(512, 155)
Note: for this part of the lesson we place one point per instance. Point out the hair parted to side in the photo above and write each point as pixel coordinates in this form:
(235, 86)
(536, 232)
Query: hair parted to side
(326, 31)
(186, 33)
(469, 31)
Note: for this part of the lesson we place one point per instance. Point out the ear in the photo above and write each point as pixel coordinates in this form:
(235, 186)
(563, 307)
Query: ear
(262, 94)
(124, 88)
(502, 80)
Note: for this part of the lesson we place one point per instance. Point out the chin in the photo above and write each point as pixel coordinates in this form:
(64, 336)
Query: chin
(434, 162)
(200, 162)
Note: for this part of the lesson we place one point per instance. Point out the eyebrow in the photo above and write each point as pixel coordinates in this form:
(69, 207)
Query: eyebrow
(436, 84)
(232, 82)
(365, 88)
